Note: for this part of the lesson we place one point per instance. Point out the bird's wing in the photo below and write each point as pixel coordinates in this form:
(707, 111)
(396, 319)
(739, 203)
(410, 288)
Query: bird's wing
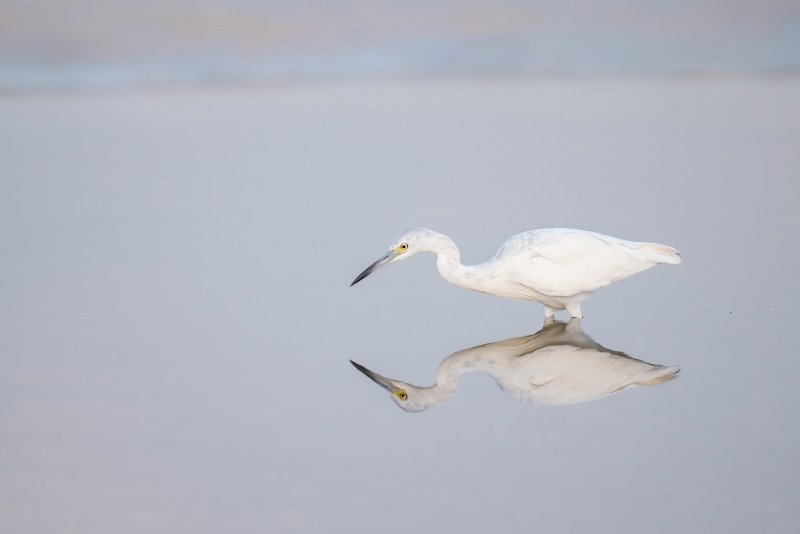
(562, 262)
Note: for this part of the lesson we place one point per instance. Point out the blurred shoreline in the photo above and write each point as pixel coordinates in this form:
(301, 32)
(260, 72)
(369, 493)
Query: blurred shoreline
(79, 45)
(228, 86)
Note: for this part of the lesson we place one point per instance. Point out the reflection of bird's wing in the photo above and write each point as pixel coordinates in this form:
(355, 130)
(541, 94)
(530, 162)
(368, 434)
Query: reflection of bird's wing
(563, 374)
(563, 262)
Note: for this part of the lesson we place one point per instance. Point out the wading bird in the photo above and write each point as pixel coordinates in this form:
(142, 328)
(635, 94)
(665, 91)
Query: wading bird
(559, 364)
(557, 267)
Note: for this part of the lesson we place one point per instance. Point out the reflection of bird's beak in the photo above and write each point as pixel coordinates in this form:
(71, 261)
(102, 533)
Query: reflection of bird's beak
(383, 382)
(386, 259)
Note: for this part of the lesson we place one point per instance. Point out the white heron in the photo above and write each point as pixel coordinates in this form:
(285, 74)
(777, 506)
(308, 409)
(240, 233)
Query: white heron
(559, 364)
(558, 267)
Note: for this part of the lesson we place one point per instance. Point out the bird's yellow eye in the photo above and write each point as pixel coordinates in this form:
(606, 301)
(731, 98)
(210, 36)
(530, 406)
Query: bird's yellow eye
(403, 246)
(402, 395)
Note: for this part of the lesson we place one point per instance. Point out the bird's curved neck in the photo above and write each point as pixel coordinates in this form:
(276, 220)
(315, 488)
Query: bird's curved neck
(448, 262)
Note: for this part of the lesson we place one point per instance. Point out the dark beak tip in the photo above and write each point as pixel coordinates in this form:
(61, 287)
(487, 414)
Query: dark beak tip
(364, 370)
(372, 268)
(360, 277)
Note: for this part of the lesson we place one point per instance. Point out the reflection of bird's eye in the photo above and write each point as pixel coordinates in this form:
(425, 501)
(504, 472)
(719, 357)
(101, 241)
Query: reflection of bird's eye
(404, 246)
(402, 395)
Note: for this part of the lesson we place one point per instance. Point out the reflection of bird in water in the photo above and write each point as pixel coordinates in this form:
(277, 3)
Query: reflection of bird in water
(558, 267)
(559, 364)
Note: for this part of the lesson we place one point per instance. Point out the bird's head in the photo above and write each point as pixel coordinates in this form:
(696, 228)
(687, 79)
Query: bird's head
(408, 397)
(406, 245)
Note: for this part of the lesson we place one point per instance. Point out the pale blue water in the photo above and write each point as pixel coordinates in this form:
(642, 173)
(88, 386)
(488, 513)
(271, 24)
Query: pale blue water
(176, 321)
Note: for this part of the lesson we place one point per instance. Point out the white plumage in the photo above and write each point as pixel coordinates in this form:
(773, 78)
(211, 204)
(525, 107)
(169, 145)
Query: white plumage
(558, 267)
(559, 364)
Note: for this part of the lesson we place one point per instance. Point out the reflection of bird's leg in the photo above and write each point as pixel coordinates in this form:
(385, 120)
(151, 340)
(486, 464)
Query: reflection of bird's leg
(549, 313)
(573, 326)
(548, 320)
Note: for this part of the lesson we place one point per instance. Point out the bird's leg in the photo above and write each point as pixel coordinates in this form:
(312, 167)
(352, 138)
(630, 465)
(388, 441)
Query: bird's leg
(574, 310)
(549, 313)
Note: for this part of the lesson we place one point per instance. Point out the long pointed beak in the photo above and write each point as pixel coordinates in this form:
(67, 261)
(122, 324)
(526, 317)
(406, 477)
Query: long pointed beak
(383, 382)
(385, 260)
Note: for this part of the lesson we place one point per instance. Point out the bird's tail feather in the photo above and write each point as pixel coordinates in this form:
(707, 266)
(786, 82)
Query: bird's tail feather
(660, 375)
(663, 253)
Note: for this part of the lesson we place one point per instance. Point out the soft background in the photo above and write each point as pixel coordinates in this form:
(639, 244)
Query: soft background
(69, 44)
(188, 188)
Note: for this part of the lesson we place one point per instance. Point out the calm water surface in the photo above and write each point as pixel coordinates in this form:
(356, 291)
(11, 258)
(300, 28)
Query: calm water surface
(176, 321)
